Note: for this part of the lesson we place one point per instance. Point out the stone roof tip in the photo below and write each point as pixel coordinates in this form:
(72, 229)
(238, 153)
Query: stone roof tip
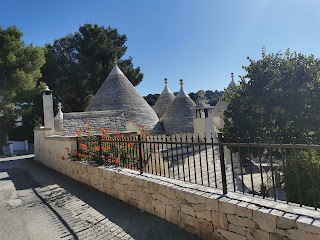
(232, 83)
(116, 70)
(182, 93)
(166, 88)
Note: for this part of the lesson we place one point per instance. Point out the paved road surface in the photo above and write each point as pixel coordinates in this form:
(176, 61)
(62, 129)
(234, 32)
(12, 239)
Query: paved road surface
(39, 203)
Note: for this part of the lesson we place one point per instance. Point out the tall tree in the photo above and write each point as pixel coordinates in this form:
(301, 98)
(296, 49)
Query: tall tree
(78, 63)
(279, 95)
(19, 77)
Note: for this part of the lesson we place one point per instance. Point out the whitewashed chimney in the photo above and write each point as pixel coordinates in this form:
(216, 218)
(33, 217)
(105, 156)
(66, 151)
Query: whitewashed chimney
(203, 121)
(48, 116)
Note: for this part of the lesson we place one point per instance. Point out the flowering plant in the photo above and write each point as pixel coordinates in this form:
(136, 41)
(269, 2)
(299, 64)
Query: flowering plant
(124, 150)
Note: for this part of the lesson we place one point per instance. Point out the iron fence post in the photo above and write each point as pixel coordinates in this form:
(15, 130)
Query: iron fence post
(140, 153)
(100, 149)
(222, 164)
(77, 138)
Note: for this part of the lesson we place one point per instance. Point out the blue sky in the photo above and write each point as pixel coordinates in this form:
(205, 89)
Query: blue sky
(200, 41)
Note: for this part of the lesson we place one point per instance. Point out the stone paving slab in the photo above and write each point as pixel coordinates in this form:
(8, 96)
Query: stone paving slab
(39, 203)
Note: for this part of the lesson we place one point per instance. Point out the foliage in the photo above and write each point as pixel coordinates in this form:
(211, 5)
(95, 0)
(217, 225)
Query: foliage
(279, 96)
(152, 99)
(19, 78)
(305, 168)
(212, 97)
(111, 149)
(78, 63)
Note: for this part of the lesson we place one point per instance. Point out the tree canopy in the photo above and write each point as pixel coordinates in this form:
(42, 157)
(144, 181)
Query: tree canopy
(212, 97)
(19, 77)
(279, 96)
(78, 63)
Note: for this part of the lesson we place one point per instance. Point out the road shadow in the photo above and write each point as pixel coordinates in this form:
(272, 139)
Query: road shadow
(28, 174)
(21, 178)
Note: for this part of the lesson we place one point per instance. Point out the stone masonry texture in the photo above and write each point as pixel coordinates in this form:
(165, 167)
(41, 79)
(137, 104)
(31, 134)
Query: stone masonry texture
(113, 120)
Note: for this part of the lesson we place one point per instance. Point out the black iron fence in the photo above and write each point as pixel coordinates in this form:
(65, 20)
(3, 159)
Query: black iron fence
(283, 171)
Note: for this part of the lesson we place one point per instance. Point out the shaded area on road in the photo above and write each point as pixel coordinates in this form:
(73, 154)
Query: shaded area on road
(84, 211)
(21, 178)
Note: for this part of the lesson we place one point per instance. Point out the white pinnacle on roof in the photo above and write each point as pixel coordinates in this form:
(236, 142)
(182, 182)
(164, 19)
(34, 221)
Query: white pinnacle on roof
(231, 84)
(59, 115)
(179, 116)
(182, 93)
(164, 100)
(117, 93)
(116, 70)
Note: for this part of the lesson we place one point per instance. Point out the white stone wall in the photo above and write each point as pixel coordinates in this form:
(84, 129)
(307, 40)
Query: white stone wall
(49, 149)
(198, 209)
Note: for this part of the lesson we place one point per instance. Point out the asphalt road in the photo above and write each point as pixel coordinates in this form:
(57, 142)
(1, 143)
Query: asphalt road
(39, 203)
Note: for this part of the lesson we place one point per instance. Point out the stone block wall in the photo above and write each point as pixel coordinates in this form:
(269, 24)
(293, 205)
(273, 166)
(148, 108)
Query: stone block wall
(201, 210)
(49, 149)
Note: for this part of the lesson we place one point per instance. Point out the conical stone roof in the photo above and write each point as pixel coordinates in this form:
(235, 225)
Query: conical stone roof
(117, 93)
(164, 100)
(222, 105)
(179, 116)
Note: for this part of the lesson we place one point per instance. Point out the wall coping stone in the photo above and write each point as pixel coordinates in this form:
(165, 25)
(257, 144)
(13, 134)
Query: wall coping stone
(275, 208)
(60, 137)
(41, 128)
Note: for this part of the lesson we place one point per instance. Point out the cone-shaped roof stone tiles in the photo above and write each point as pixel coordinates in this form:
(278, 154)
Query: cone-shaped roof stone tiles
(179, 116)
(164, 101)
(117, 93)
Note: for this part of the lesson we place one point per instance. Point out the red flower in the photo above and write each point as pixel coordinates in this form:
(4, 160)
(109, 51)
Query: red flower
(83, 146)
(116, 161)
(79, 132)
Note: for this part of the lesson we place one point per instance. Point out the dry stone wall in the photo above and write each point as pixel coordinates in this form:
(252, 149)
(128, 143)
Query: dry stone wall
(201, 210)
